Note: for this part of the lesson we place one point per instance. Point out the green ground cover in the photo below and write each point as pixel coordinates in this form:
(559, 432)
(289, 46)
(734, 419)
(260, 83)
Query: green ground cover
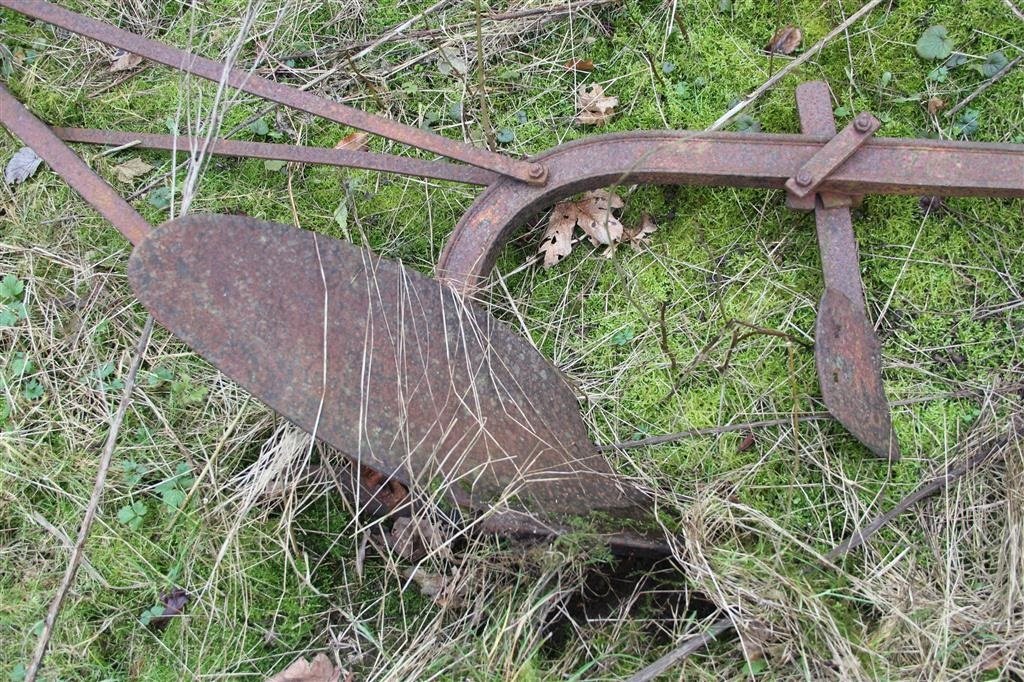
(277, 566)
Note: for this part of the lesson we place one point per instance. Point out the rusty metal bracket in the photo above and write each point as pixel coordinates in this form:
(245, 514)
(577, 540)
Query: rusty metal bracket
(834, 154)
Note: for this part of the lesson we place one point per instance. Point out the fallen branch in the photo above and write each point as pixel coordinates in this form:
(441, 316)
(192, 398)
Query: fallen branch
(783, 421)
(94, 502)
(985, 85)
(784, 71)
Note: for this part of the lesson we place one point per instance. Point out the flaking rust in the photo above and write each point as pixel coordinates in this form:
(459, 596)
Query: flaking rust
(409, 377)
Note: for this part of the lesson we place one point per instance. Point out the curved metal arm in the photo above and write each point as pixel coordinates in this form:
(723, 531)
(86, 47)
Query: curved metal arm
(881, 166)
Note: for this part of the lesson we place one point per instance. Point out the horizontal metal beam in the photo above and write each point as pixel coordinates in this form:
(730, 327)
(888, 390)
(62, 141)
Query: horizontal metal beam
(880, 166)
(348, 158)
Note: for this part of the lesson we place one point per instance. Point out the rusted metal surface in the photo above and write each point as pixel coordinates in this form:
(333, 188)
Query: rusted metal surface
(386, 163)
(830, 157)
(848, 359)
(881, 166)
(377, 360)
(847, 353)
(414, 381)
(175, 58)
(17, 119)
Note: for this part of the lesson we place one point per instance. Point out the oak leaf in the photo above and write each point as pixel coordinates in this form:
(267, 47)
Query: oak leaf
(131, 169)
(557, 241)
(357, 142)
(438, 587)
(785, 40)
(585, 65)
(593, 107)
(124, 61)
(641, 234)
(594, 216)
(320, 669)
(22, 166)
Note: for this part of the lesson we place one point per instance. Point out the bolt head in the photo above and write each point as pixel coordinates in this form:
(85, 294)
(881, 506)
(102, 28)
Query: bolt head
(803, 178)
(537, 171)
(862, 123)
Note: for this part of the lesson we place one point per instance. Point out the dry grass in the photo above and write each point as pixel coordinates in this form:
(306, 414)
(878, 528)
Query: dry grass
(275, 559)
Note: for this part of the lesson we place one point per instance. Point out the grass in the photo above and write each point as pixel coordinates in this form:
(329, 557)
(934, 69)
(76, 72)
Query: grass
(274, 561)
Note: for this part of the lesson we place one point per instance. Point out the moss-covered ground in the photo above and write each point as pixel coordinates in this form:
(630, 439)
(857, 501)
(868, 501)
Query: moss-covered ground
(938, 594)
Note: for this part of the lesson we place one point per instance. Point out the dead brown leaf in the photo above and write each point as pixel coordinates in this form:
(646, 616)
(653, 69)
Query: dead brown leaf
(594, 216)
(785, 40)
(320, 669)
(746, 443)
(435, 586)
(557, 241)
(593, 213)
(131, 169)
(640, 236)
(125, 61)
(584, 65)
(593, 107)
(413, 537)
(357, 142)
(935, 105)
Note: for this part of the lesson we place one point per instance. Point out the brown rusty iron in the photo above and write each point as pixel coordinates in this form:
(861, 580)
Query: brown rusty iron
(413, 380)
(847, 354)
(107, 202)
(835, 152)
(348, 158)
(406, 376)
(758, 160)
(376, 359)
(524, 171)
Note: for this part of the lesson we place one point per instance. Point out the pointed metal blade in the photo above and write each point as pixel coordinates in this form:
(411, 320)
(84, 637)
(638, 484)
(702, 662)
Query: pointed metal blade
(849, 363)
(387, 365)
(846, 349)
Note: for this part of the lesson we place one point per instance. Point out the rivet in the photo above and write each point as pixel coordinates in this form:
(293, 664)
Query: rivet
(862, 123)
(804, 178)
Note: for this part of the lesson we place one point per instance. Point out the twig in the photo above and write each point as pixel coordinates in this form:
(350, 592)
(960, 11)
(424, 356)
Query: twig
(549, 13)
(58, 533)
(985, 85)
(1014, 9)
(923, 492)
(724, 624)
(94, 503)
(485, 113)
(689, 646)
(781, 73)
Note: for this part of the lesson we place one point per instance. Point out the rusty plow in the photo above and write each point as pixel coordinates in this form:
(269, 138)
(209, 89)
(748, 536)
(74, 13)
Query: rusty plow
(411, 378)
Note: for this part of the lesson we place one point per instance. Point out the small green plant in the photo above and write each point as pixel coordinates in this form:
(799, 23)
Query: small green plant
(158, 376)
(185, 392)
(967, 124)
(174, 490)
(745, 123)
(132, 515)
(152, 612)
(133, 472)
(993, 64)
(12, 307)
(32, 390)
(261, 128)
(934, 43)
(160, 198)
(101, 377)
(17, 673)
